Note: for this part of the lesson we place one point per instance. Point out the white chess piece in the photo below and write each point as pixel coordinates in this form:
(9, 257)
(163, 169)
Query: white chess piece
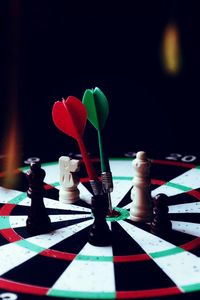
(141, 209)
(69, 192)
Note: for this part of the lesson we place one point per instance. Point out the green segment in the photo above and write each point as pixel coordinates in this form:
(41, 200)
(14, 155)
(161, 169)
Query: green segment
(179, 186)
(18, 198)
(167, 252)
(82, 295)
(94, 258)
(124, 214)
(55, 184)
(122, 178)
(191, 288)
(30, 246)
(4, 222)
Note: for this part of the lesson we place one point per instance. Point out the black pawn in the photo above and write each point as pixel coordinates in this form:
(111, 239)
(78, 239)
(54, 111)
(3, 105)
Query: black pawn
(100, 234)
(38, 221)
(161, 225)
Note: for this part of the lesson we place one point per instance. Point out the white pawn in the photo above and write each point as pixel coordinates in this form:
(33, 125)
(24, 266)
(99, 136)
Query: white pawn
(141, 209)
(69, 192)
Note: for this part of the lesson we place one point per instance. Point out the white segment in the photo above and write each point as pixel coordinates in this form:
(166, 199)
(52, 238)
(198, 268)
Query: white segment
(12, 255)
(17, 221)
(20, 221)
(189, 179)
(186, 227)
(193, 207)
(120, 189)
(52, 173)
(148, 241)
(84, 193)
(56, 236)
(88, 275)
(7, 195)
(182, 268)
(91, 250)
(121, 167)
(167, 190)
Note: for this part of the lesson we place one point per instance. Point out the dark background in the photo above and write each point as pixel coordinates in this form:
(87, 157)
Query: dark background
(53, 49)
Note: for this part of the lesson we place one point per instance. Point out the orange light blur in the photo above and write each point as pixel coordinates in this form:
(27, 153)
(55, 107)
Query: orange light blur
(170, 50)
(12, 159)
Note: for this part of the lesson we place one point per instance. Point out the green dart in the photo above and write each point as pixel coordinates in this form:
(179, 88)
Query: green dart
(97, 107)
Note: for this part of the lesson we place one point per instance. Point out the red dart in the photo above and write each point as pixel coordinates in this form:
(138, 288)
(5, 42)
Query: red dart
(70, 116)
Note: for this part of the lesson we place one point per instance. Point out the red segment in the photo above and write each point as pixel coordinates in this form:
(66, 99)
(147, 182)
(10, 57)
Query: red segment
(158, 181)
(87, 179)
(191, 245)
(22, 287)
(48, 186)
(148, 293)
(58, 254)
(128, 258)
(10, 235)
(6, 209)
(194, 193)
(174, 163)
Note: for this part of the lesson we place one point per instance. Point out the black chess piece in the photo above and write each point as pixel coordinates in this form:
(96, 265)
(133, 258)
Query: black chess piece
(161, 225)
(100, 234)
(38, 221)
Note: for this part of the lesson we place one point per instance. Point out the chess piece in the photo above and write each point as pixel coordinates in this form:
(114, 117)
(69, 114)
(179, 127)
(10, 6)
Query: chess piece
(141, 209)
(161, 225)
(38, 221)
(69, 192)
(100, 234)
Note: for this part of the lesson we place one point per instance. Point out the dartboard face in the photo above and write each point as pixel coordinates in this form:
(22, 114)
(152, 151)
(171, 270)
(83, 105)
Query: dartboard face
(137, 264)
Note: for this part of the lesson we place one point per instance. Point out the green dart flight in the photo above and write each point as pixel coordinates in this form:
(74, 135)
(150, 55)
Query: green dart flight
(97, 107)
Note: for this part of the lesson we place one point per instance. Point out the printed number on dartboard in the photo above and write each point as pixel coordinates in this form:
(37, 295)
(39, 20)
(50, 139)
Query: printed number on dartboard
(8, 296)
(180, 157)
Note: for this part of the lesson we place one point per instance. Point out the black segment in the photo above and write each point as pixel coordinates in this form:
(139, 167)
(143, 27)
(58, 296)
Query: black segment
(74, 243)
(52, 193)
(181, 198)
(126, 200)
(175, 237)
(82, 203)
(166, 172)
(185, 217)
(22, 231)
(23, 210)
(122, 243)
(3, 241)
(141, 275)
(39, 270)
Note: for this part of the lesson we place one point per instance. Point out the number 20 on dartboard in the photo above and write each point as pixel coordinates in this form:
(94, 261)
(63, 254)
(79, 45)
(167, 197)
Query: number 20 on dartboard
(177, 156)
(8, 296)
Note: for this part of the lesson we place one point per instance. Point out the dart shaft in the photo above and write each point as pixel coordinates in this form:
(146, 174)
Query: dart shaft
(107, 182)
(89, 168)
(103, 158)
(107, 186)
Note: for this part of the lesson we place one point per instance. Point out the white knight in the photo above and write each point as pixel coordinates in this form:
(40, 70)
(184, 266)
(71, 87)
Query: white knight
(69, 181)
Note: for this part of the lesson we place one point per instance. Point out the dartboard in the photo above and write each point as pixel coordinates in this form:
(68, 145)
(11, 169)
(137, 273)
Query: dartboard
(137, 264)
